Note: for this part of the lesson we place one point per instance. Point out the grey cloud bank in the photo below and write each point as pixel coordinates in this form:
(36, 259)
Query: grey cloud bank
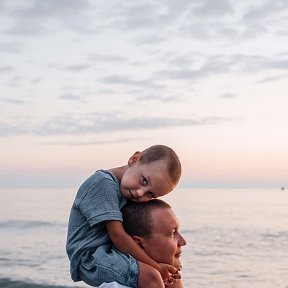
(221, 24)
(99, 123)
(205, 18)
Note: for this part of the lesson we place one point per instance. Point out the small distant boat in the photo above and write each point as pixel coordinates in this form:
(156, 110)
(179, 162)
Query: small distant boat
(283, 188)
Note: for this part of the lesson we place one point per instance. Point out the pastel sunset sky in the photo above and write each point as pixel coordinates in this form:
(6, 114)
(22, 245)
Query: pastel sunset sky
(84, 84)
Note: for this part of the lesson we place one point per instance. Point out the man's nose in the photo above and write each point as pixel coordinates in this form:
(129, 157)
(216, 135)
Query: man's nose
(181, 241)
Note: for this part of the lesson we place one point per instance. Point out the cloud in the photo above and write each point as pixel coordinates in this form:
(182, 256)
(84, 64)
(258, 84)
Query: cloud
(106, 91)
(205, 65)
(38, 17)
(279, 64)
(106, 58)
(36, 80)
(141, 90)
(157, 21)
(265, 17)
(272, 79)
(252, 63)
(15, 81)
(6, 69)
(227, 21)
(13, 101)
(154, 21)
(146, 93)
(148, 40)
(210, 65)
(164, 15)
(137, 15)
(215, 8)
(157, 97)
(78, 68)
(128, 81)
(98, 123)
(228, 95)
(11, 47)
(266, 10)
(89, 143)
(71, 97)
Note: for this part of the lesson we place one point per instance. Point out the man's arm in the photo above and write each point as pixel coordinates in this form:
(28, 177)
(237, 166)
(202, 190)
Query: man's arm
(126, 244)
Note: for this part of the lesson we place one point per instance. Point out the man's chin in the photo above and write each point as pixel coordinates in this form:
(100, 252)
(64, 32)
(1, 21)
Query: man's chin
(177, 264)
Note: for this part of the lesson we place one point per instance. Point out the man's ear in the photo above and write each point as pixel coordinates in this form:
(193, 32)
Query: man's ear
(139, 241)
(134, 158)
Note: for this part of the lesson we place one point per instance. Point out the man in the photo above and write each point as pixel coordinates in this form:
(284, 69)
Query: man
(154, 227)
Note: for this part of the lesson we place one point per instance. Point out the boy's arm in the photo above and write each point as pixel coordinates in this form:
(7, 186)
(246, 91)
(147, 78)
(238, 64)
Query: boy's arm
(125, 243)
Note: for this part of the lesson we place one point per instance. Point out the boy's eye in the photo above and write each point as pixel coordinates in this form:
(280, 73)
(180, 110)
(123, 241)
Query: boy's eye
(151, 195)
(144, 180)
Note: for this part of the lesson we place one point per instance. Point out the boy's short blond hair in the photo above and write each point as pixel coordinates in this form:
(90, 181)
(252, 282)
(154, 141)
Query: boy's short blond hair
(162, 152)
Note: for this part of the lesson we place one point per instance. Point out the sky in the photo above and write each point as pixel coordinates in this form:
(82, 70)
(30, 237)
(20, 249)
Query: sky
(85, 84)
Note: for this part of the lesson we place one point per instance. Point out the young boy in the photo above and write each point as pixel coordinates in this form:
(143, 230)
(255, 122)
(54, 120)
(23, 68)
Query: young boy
(96, 221)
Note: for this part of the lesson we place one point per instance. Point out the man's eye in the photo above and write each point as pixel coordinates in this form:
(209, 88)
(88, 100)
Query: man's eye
(174, 233)
(151, 195)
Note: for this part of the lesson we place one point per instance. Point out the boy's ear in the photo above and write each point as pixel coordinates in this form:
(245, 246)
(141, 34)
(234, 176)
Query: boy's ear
(134, 158)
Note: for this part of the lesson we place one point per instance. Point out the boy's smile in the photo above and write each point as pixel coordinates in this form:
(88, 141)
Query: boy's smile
(132, 195)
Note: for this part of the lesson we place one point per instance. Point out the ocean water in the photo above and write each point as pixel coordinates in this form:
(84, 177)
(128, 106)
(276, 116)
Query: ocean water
(235, 238)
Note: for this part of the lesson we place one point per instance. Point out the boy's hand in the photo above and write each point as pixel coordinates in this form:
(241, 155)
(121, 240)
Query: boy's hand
(166, 271)
(173, 278)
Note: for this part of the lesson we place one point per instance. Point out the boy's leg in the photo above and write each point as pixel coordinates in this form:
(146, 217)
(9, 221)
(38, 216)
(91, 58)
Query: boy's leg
(149, 277)
(106, 265)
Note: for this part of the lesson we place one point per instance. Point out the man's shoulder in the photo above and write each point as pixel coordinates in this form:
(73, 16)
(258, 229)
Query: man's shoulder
(112, 285)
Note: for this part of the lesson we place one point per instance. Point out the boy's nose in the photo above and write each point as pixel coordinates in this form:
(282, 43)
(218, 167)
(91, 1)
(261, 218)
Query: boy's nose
(140, 192)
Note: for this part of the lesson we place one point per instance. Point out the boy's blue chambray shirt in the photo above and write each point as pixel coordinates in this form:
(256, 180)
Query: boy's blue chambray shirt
(98, 200)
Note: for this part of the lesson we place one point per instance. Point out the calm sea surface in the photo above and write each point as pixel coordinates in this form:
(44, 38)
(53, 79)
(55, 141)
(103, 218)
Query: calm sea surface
(235, 238)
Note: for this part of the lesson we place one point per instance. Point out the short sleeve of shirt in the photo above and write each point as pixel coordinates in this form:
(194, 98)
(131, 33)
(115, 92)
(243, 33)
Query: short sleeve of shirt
(100, 198)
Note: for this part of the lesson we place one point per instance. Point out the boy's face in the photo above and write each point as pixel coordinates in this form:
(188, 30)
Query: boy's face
(144, 182)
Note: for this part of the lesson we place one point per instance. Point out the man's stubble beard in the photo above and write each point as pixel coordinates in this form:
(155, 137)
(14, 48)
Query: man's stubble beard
(177, 264)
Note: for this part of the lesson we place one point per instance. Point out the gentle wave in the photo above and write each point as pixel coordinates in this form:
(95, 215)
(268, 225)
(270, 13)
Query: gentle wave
(277, 234)
(8, 283)
(24, 224)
